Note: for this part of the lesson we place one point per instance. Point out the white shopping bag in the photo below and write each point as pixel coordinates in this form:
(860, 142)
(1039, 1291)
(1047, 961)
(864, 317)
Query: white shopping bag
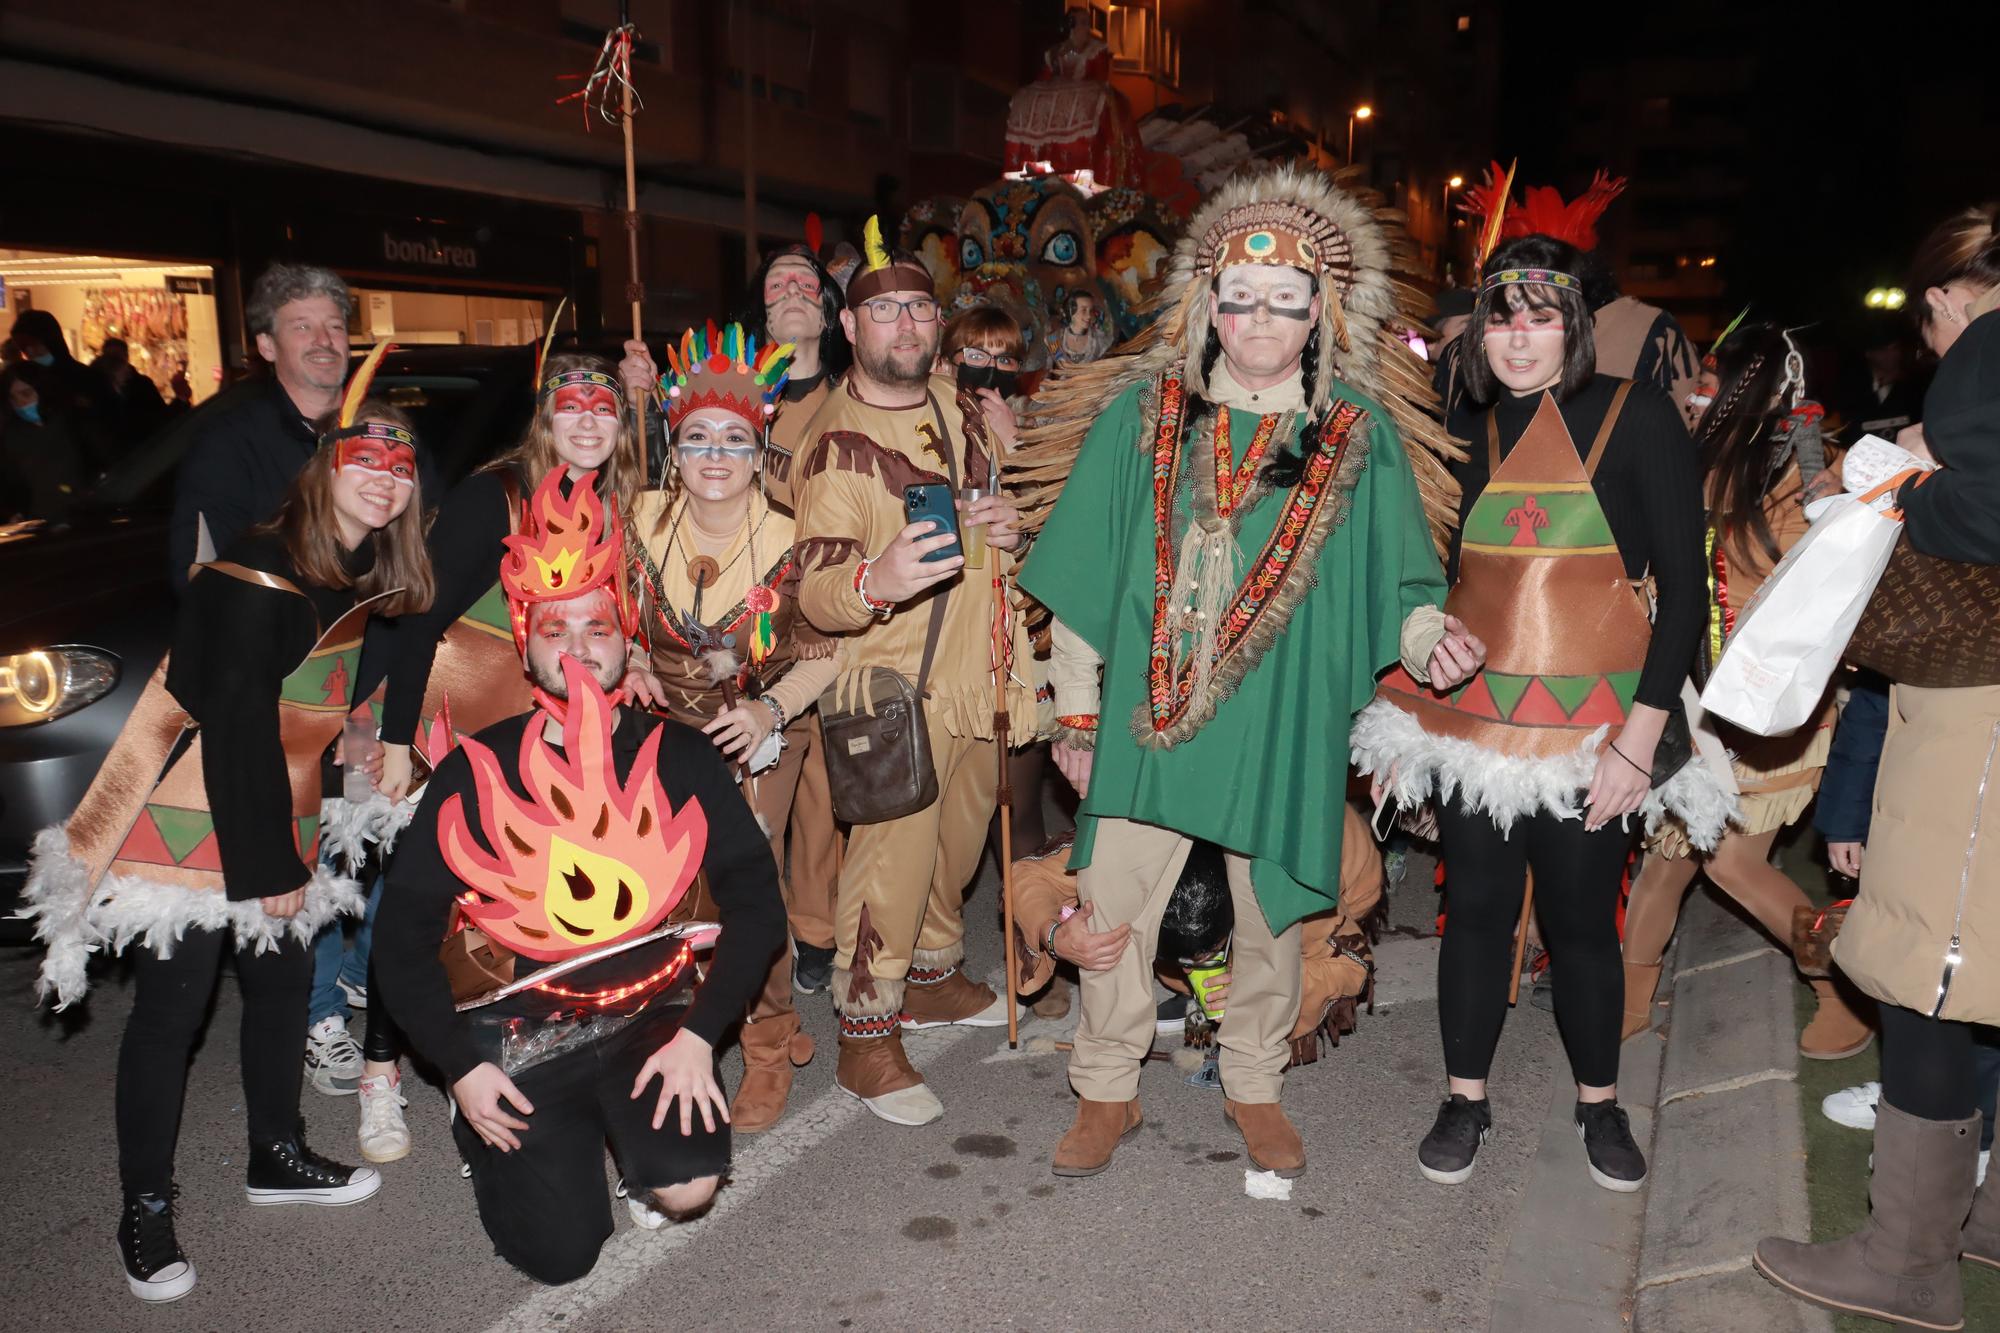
(1775, 667)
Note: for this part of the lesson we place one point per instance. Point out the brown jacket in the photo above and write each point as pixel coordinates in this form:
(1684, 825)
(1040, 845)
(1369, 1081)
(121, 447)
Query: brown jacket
(1043, 886)
(1932, 869)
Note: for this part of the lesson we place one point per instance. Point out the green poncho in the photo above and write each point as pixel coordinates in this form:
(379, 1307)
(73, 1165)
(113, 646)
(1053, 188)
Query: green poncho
(1266, 776)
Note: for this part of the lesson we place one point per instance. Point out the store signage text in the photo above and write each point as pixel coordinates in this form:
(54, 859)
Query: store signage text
(429, 252)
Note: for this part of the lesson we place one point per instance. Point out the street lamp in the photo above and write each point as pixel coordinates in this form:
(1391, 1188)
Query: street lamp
(1359, 113)
(1444, 224)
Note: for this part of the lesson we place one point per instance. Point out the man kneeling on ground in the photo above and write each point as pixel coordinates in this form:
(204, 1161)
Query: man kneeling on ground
(560, 835)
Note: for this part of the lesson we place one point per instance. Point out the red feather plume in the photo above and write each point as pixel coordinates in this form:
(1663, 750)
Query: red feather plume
(1542, 211)
(815, 233)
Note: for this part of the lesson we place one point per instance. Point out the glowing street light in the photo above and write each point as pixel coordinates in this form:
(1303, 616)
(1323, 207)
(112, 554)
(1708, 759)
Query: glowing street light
(1885, 298)
(1362, 112)
(1450, 184)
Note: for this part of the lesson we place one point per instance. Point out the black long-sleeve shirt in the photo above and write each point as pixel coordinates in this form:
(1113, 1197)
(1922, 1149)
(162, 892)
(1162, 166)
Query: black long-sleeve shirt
(234, 644)
(1954, 513)
(1649, 485)
(417, 898)
(465, 546)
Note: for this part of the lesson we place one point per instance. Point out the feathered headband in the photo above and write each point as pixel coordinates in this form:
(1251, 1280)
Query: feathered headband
(882, 272)
(345, 427)
(723, 368)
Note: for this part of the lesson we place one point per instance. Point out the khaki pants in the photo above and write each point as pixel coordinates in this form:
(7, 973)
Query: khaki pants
(813, 869)
(1132, 872)
(902, 883)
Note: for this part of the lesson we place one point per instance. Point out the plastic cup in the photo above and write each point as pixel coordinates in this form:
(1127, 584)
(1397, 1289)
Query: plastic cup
(972, 536)
(358, 744)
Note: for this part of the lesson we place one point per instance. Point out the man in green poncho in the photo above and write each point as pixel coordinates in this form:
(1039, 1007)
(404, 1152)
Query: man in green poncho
(1242, 545)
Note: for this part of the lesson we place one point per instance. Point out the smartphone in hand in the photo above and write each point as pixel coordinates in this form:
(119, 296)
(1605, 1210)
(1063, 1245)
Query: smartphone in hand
(938, 504)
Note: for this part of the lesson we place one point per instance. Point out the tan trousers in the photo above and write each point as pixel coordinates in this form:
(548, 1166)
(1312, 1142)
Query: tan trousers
(812, 871)
(902, 883)
(1132, 872)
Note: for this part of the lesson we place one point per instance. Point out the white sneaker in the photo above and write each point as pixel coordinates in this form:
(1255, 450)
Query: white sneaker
(333, 1057)
(916, 1105)
(1977, 1180)
(644, 1214)
(384, 1136)
(1853, 1107)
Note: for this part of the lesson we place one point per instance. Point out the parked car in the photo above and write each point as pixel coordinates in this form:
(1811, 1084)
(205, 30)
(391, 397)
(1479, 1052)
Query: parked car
(90, 613)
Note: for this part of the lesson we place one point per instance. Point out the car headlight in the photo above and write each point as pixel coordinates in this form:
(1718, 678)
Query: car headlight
(49, 683)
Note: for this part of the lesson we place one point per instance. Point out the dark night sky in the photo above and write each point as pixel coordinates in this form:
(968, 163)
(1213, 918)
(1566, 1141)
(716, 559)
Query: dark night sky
(1869, 124)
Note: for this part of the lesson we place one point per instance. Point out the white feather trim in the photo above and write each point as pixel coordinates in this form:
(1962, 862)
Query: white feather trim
(72, 921)
(347, 827)
(1416, 766)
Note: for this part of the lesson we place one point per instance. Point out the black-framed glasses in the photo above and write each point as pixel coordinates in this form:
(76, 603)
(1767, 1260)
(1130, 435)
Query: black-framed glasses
(887, 309)
(979, 356)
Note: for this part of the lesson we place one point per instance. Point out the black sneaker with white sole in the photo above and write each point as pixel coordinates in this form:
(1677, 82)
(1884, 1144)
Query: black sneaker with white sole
(1447, 1153)
(1615, 1160)
(1170, 1016)
(812, 968)
(290, 1172)
(155, 1268)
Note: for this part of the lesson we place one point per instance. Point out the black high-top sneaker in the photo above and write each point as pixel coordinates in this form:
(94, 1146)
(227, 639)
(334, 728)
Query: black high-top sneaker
(290, 1172)
(155, 1268)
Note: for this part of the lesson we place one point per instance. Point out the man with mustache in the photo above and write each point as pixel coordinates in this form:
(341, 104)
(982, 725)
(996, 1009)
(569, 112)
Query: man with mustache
(899, 928)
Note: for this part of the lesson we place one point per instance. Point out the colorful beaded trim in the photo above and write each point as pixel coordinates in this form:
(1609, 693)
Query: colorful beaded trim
(870, 1025)
(1545, 277)
(1231, 488)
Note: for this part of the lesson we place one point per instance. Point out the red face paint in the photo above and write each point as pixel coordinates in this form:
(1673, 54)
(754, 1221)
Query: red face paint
(586, 398)
(371, 454)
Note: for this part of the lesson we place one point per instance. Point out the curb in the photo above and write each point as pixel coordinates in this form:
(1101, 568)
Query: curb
(1728, 1150)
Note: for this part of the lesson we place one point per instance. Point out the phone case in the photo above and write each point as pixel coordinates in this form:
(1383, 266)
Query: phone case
(936, 503)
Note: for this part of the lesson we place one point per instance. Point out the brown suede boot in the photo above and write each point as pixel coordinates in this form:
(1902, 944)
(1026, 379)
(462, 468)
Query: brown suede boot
(1099, 1127)
(1836, 1031)
(942, 997)
(1902, 1266)
(1641, 981)
(1055, 1000)
(1268, 1137)
(771, 1048)
(1980, 1241)
(875, 1072)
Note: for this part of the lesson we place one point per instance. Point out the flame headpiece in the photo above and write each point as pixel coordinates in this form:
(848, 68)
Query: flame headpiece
(584, 860)
(723, 368)
(568, 545)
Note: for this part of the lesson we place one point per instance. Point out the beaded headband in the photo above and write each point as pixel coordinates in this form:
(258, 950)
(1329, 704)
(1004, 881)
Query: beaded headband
(374, 430)
(569, 377)
(1539, 277)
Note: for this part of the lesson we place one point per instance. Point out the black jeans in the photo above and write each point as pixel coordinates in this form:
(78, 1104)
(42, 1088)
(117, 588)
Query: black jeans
(1927, 1065)
(1576, 899)
(169, 1008)
(544, 1204)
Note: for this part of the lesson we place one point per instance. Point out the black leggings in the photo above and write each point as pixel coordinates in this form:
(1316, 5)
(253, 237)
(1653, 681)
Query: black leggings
(1576, 899)
(1927, 1065)
(169, 1008)
(383, 1042)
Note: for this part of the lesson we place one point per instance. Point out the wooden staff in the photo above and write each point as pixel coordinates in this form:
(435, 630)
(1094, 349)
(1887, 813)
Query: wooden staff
(1001, 726)
(635, 290)
(1521, 940)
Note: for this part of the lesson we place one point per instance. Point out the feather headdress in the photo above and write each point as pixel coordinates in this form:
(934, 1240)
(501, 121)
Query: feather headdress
(883, 270)
(344, 426)
(1542, 211)
(1371, 290)
(723, 368)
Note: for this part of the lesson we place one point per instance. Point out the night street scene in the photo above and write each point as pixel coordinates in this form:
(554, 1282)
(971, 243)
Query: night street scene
(1019, 664)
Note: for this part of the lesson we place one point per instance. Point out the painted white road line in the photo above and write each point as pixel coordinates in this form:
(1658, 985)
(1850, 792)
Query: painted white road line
(631, 1254)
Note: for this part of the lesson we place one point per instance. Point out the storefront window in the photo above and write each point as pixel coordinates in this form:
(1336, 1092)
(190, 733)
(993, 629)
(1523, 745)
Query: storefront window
(412, 318)
(164, 312)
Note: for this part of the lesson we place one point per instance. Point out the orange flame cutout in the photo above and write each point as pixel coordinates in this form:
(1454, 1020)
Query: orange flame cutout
(566, 546)
(583, 861)
(439, 738)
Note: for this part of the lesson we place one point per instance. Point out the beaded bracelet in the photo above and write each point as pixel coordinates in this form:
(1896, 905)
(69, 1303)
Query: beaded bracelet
(873, 607)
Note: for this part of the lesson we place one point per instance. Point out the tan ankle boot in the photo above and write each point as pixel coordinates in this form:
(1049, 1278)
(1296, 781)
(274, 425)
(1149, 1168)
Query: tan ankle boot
(1642, 980)
(934, 1001)
(771, 1048)
(1095, 1136)
(1268, 1137)
(1836, 1031)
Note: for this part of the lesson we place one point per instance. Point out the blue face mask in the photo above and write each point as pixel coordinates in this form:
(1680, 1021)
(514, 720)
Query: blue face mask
(32, 414)
(45, 359)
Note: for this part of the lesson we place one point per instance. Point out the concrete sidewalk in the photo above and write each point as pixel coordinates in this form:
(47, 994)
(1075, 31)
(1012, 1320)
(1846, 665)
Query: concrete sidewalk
(1728, 1149)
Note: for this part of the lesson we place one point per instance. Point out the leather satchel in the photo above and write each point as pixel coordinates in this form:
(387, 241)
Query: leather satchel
(1932, 623)
(878, 744)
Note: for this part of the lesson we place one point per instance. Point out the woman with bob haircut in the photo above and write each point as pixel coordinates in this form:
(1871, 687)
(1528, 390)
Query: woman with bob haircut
(1578, 490)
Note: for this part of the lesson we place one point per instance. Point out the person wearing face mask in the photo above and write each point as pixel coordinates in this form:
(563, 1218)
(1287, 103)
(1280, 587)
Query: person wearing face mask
(197, 850)
(719, 585)
(892, 424)
(1919, 936)
(39, 473)
(1762, 460)
(1575, 484)
(1240, 545)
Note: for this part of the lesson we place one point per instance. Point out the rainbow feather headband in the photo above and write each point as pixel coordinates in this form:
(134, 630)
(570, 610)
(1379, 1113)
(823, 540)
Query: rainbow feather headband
(723, 367)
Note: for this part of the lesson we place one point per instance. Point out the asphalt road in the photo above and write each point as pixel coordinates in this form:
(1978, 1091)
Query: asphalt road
(832, 1220)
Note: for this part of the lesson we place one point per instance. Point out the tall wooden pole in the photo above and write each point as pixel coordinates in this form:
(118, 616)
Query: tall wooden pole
(635, 290)
(1002, 640)
(750, 256)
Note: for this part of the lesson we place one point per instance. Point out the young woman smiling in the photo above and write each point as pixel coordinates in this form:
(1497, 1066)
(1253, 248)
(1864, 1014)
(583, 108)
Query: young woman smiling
(1575, 484)
(721, 613)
